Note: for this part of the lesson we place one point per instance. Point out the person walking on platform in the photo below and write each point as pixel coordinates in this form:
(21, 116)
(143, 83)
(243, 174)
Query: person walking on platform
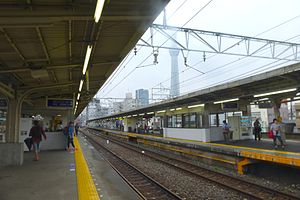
(276, 129)
(36, 133)
(257, 129)
(226, 131)
(71, 131)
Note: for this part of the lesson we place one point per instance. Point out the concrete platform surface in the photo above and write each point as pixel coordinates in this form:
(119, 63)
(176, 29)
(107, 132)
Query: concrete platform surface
(109, 184)
(50, 178)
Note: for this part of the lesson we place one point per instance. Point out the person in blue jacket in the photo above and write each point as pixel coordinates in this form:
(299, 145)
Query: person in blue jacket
(71, 131)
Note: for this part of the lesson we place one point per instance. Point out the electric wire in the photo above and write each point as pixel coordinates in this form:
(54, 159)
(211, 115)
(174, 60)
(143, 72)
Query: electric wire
(165, 41)
(239, 59)
(115, 73)
(232, 63)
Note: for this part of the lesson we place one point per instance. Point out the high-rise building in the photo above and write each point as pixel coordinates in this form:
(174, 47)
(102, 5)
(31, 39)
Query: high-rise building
(142, 97)
(129, 102)
(174, 92)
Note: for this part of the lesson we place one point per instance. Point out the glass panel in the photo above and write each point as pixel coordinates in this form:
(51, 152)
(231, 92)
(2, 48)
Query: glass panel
(193, 122)
(213, 120)
(169, 121)
(178, 121)
(173, 121)
(221, 118)
(185, 121)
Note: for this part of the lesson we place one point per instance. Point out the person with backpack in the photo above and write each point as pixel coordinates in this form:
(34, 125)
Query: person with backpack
(71, 131)
(36, 133)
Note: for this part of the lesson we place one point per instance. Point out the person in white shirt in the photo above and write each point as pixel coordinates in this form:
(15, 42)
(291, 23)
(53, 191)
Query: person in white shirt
(276, 129)
(226, 131)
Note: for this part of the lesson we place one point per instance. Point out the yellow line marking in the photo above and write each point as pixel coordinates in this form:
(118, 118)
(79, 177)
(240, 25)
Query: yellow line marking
(85, 184)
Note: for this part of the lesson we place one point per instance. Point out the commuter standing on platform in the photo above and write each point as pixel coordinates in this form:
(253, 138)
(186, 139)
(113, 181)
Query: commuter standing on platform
(282, 131)
(36, 133)
(226, 131)
(276, 129)
(257, 129)
(71, 131)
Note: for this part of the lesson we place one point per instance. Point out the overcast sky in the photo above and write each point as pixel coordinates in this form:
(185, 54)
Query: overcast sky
(241, 17)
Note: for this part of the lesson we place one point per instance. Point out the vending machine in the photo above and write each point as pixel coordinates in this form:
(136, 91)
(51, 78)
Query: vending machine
(25, 126)
(240, 127)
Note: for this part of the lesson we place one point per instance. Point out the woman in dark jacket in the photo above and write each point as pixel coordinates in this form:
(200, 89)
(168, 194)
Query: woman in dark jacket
(36, 133)
(257, 129)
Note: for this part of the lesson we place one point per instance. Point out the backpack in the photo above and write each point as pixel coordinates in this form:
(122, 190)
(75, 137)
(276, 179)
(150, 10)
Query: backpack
(36, 132)
(66, 131)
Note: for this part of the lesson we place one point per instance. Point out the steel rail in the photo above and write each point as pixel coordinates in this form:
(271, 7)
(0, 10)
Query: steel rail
(242, 186)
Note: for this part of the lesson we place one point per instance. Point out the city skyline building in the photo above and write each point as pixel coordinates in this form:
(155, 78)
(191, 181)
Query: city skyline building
(142, 97)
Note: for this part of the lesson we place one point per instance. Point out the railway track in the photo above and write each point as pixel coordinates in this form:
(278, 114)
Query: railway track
(244, 187)
(145, 186)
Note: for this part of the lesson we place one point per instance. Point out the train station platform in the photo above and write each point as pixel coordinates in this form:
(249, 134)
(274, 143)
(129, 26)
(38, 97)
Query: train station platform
(64, 175)
(238, 154)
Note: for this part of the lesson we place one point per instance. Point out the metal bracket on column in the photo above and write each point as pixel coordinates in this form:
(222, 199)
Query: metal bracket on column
(7, 91)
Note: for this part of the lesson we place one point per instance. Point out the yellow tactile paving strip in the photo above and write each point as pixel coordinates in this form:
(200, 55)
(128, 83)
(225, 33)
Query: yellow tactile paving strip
(85, 184)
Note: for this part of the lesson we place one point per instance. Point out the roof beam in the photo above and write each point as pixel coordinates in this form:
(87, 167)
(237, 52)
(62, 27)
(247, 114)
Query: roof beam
(18, 70)
(41, 38)
(13, 45)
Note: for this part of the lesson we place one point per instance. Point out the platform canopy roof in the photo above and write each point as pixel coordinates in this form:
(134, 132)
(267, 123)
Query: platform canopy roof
(279, 80)
(43, 44)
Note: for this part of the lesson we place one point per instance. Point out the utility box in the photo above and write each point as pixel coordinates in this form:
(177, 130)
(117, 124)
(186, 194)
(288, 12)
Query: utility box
(241, 127)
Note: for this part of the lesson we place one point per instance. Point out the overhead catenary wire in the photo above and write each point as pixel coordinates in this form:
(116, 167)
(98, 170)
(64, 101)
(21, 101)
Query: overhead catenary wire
(128, 74)
(239, 59)
(227, 64)
(202, 8)
(120, 68)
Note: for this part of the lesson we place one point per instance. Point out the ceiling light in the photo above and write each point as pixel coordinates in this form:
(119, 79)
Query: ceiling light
(78, 96)
(298, 94)
(178, 108)
(276, 92)
(141, 114)
(134, 115)
(195, 106)
(80, 85)
(228, 100)
(87, 58)
(149, 113)
(161, 111)
(98, 10)
(296, 98)
(263, 99)
(172, 109)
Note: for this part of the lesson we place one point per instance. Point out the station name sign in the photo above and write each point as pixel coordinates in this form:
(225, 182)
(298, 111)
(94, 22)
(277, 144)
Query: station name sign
(230, 106)
(3, 103)
(60, 103)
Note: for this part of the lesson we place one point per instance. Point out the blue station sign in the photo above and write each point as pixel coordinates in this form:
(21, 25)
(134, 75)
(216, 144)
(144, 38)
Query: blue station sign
(3, 103)
(60, 103)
